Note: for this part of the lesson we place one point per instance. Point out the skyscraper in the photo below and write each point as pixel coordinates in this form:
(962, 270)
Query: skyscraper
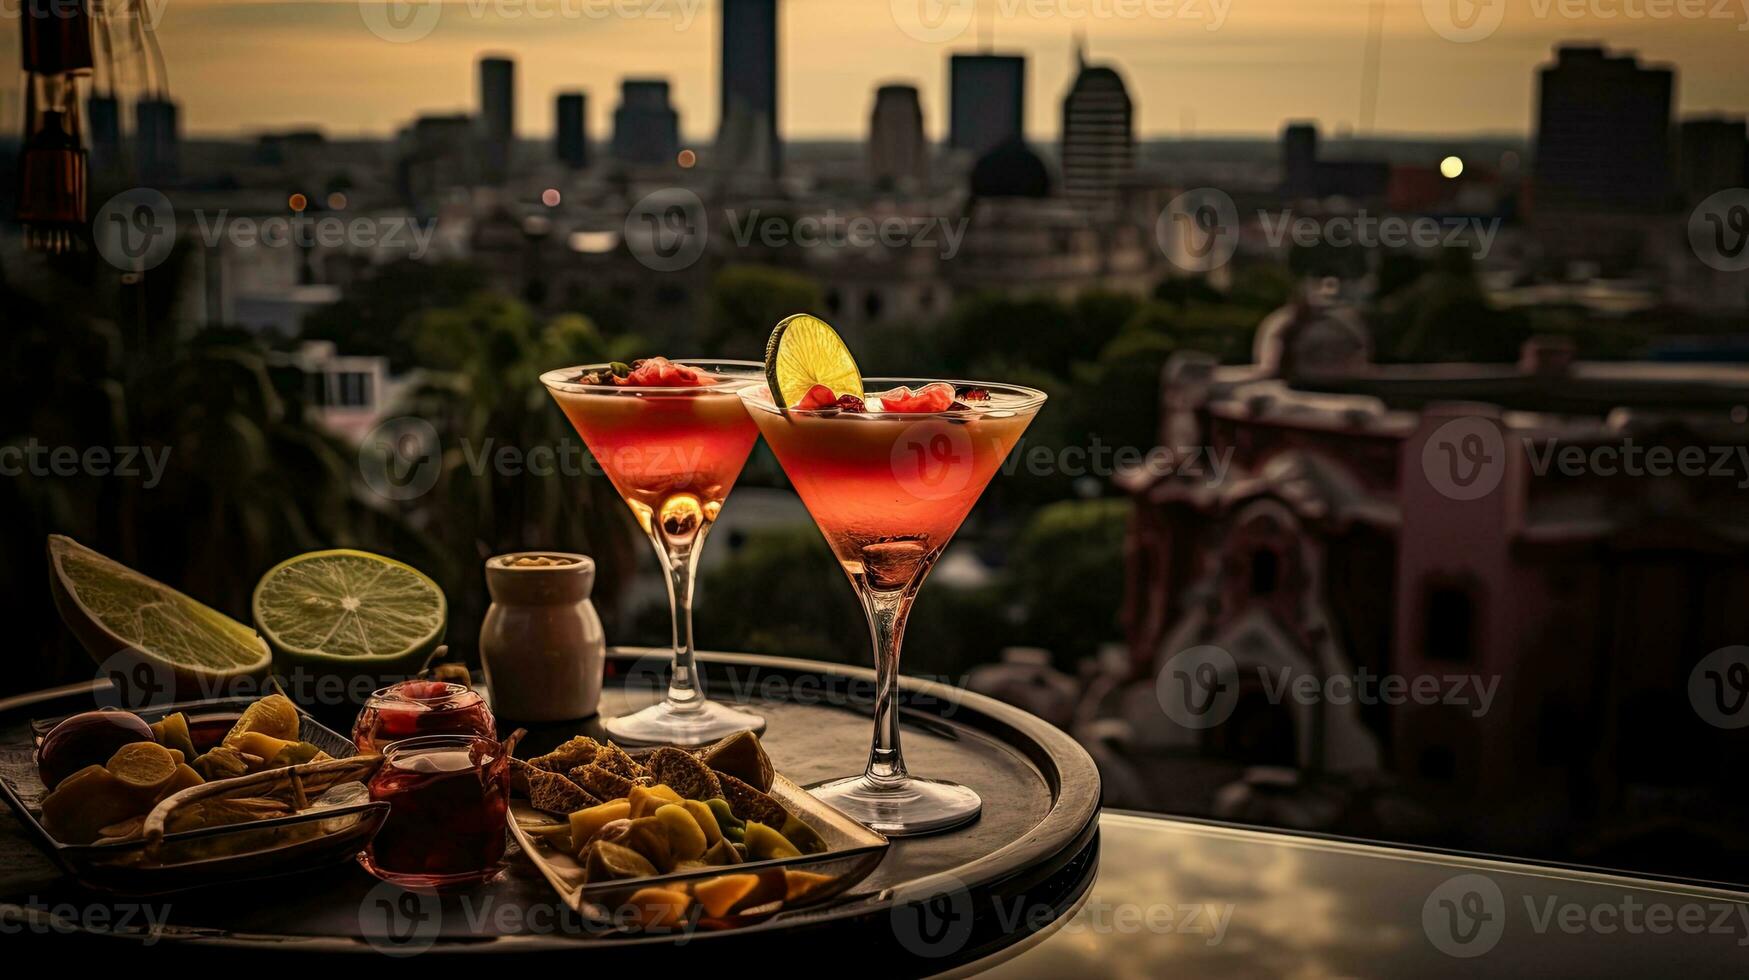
(747, 130)
(103, 114)
(1299, 159)
(897, 149)
(988, 101)
(157, 141)
(1710, 156)
(646, 129)
(1099, 140)
(497, 117)
(571, 129)
(1603, 134)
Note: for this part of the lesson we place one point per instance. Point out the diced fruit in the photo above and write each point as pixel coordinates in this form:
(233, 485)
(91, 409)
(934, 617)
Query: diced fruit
(261, 744)
(805, 351)
(658, 908)
(797, 884)
(87, 739)
(764, 843)
(649, 836)
(720, 895)
(85, 803)
(142, 768)
(722, 853)
(274, 716)
(686, 840)
(732, 827)
(585, 824)
(660, 372)
(818, 397)
(171, 732)
(296, 754)
(184, 777)
(805, 838)
(740, 755)
(707, 821)
(222, 762)
(937, 397)
(645, 799)
(605, 861)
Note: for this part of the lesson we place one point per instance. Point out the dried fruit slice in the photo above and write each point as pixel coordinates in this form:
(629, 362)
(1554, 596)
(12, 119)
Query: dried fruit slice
(586, 823)
(552, 793)
(750, 804)
(605, 861)
(142, 768)
(274, 716)
(579, 751)
(658, 908)
(602, 783)
(720, 895)
(805, 351)
(740, 755)
(172, 732)
(681, 772)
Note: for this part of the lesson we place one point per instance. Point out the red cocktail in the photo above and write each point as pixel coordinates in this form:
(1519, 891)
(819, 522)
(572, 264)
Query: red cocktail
(672, 436)
(447, 797)
(413, 708)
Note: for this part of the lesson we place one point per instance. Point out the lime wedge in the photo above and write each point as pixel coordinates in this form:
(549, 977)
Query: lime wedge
(329, 608)
(111, 608)
(805, 351)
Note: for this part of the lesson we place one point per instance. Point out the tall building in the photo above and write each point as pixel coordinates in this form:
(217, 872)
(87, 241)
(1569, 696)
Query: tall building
(1603, 134)
(646, 129)
(1712, 154)
(571, 129)
(1099, 140)
(897, 149)
(157, 141)
(497, 117)
(1299, 159)
(747, 130)
(987, 101)
(103, 115)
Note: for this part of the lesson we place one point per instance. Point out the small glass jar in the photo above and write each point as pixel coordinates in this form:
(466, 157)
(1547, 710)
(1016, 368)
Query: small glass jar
(413, 708)
(448, 796)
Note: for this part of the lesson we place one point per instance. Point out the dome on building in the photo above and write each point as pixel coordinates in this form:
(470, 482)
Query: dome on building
(1011, 170)
(1308, 338)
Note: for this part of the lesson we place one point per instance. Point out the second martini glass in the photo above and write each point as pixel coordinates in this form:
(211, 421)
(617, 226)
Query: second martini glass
(673, 453)
(888, 490)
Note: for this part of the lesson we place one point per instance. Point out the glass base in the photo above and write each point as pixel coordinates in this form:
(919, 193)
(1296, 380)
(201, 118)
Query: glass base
(432, 883)
(662, 723)
(907, 808)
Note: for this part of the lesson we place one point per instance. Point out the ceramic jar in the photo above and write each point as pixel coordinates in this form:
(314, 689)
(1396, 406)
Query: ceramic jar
(541, 643)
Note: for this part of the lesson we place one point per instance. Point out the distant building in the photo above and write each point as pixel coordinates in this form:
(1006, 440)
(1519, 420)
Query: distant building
(646, 129)
(1602, 135)
(437, 154)
(987, 94)
(747, 128)
(1305, 174)
(497, 118)
(571, 129)
(103, 115)
(897, 149)
(157, 141)
(1099, 140)
(1711, 157)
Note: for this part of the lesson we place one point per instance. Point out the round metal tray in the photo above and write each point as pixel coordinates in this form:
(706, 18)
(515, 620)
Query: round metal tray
(934, 903)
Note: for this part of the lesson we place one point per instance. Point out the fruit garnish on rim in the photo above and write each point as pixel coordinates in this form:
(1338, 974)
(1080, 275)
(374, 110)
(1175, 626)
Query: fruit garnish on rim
(820, 398)
(937, 397)
(805, 353)
(648, 372)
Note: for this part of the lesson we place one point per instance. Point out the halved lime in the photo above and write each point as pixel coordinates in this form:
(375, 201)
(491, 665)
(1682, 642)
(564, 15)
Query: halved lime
(111, 608)
(805, 351)
(350, 612)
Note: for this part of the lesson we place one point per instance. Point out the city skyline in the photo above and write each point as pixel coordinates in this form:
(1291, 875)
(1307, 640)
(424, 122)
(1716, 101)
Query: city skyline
(1185, 78)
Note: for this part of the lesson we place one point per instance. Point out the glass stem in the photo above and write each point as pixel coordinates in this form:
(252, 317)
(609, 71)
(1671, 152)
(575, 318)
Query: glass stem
(887, 612)
(679, 558)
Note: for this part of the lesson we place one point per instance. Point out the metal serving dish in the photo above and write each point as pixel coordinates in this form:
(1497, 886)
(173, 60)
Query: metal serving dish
(252, 849)
(852, 852)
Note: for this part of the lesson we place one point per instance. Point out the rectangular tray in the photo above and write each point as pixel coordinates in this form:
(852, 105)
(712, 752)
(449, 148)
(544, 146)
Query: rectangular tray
(263, 847)
(852, 852)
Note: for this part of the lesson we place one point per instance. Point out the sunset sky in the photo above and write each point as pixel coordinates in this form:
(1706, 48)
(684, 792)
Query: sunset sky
(245, 65)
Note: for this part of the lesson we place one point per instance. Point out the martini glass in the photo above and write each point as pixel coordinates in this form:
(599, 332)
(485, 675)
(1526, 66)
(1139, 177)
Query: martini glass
(673, 454)
(888, 491)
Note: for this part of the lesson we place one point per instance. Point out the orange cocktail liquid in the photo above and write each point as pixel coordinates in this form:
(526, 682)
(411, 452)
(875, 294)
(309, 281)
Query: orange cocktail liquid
(673, 456)
(889, 491)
